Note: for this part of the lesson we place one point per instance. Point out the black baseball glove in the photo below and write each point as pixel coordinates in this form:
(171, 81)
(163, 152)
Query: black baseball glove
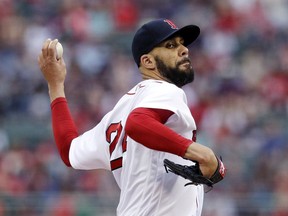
(194, 174)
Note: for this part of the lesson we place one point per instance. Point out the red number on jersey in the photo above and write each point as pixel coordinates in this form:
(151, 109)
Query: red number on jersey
(194, 135)
(117, 129)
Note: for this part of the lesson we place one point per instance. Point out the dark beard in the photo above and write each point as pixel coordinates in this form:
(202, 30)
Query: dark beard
(175, 75)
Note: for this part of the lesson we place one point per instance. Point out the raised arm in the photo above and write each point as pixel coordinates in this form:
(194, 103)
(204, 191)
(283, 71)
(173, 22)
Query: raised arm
(54, 71)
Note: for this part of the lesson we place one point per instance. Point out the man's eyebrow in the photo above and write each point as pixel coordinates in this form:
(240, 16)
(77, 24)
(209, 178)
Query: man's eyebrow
(163, 43)
(171, 39)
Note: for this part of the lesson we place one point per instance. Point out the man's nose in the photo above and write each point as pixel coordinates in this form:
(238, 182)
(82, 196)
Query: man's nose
(184, 51)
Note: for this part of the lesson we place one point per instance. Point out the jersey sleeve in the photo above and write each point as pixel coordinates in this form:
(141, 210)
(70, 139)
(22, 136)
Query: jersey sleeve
(86, 151)
(146, 126)
(64, 129)
(89, 150)
(162, 95)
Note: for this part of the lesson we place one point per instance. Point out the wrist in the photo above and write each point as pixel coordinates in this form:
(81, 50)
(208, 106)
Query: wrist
(56, 91)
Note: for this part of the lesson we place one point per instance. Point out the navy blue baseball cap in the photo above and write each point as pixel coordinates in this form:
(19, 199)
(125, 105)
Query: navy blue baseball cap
(154, 32)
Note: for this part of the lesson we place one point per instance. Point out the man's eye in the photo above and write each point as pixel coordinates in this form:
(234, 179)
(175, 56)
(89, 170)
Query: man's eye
(170, 45)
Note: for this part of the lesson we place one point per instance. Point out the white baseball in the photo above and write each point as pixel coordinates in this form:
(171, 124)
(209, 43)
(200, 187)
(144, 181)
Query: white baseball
(59, 50)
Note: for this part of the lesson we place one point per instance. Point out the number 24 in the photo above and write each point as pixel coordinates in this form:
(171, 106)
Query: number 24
(116, 128)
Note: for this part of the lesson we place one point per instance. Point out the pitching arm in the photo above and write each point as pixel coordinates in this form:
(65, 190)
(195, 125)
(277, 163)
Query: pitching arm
(54, 71)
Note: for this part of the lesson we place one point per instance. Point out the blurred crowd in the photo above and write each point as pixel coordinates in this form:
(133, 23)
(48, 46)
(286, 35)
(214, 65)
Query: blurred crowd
(239, 98)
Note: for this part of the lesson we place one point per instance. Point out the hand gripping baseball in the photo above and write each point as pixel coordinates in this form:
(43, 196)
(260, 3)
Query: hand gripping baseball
(194, 174)
(53, 67)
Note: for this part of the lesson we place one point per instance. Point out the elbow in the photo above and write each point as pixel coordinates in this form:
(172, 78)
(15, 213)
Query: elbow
(64, 154)
(66, 161)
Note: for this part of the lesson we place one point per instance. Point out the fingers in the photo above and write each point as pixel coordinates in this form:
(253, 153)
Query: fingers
(52, 48)
(45, 46)
(49, 48)
(47, 57)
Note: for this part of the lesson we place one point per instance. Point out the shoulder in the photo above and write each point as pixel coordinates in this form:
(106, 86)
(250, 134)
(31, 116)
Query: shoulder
(159, 94)
(160, 87)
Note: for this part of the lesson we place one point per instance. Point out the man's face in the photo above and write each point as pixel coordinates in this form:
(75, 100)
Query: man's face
(173, 63)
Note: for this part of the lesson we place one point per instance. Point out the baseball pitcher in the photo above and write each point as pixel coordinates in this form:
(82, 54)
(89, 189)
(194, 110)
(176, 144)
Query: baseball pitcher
(148, 140)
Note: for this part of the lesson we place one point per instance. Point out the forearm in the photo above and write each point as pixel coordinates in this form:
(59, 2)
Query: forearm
(56, 91)
(54, 72)
(204, 156)
(146, 126)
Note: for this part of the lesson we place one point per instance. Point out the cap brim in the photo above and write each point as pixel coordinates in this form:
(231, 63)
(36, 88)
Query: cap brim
(189, 33)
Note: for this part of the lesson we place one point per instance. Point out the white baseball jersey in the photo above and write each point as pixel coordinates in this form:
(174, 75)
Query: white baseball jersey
(146, 188)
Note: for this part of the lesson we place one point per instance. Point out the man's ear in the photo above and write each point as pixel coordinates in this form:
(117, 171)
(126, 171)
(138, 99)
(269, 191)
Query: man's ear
(148, 61)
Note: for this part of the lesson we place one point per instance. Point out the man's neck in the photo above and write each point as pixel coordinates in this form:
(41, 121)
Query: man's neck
(153, 75)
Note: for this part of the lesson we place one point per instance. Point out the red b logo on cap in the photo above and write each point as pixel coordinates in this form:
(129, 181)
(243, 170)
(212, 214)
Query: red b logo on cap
(173, 26)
